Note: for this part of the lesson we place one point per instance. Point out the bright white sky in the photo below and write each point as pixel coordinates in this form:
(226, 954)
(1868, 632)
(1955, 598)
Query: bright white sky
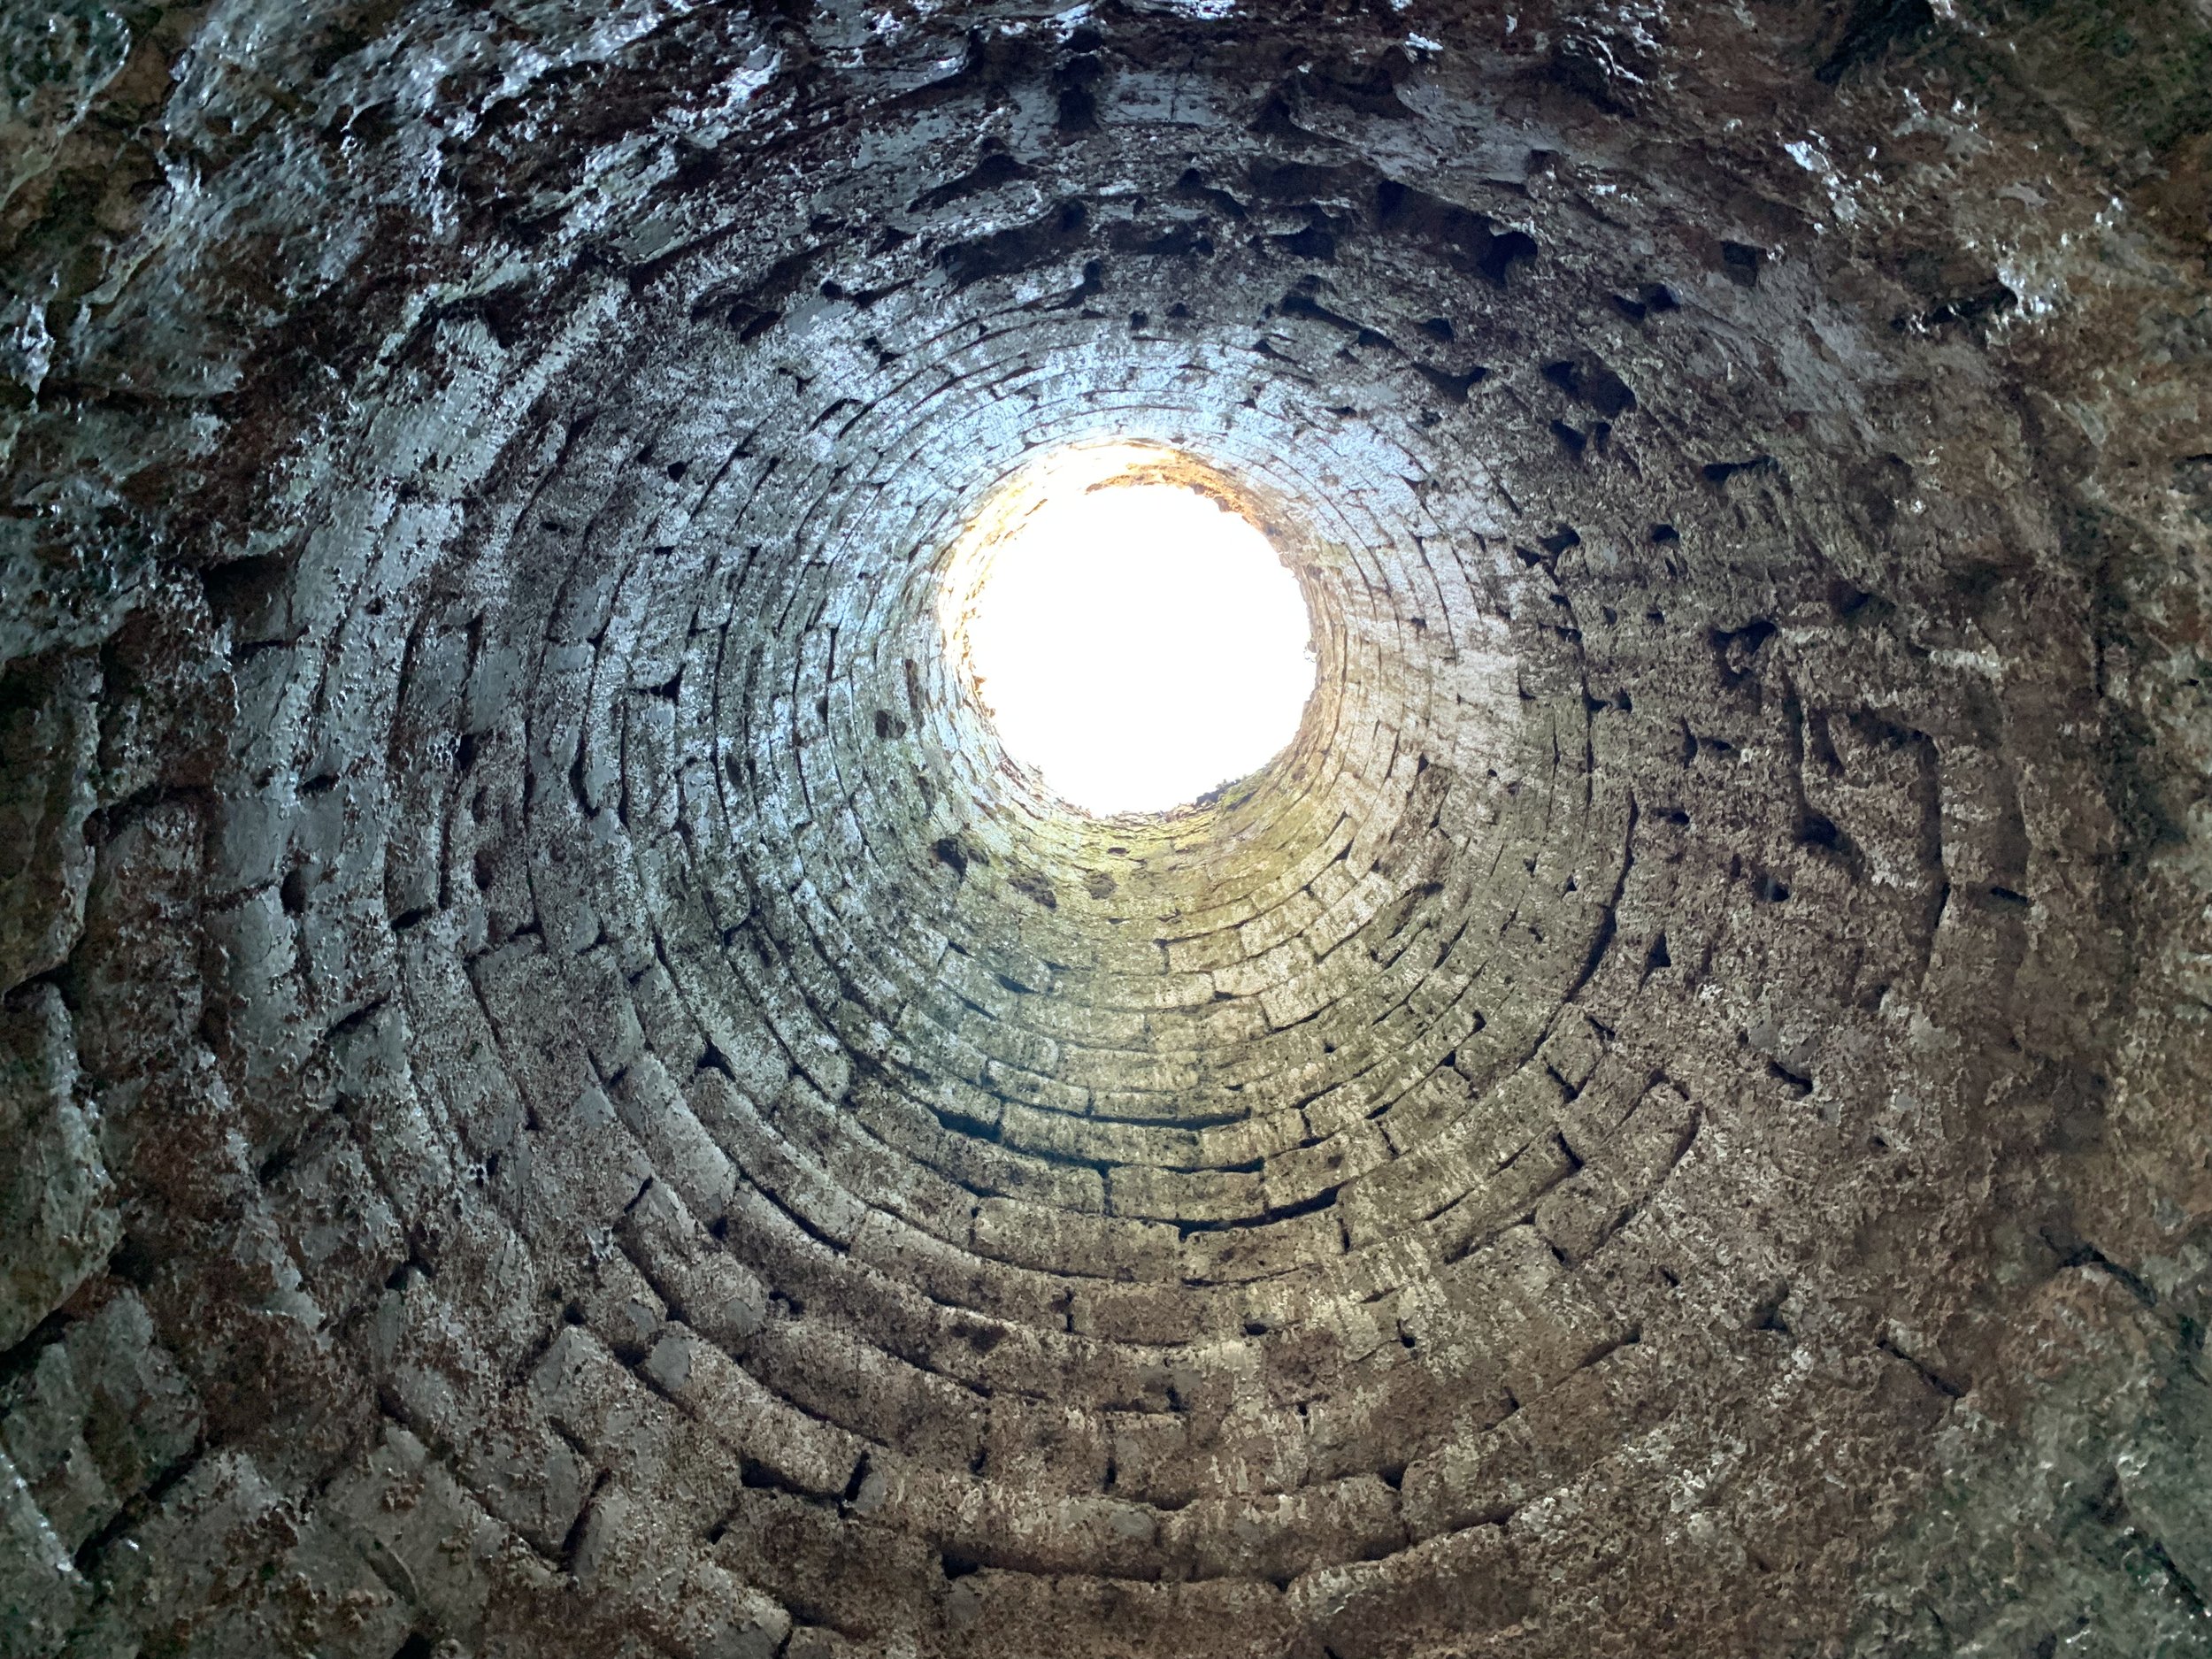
(1139, 645)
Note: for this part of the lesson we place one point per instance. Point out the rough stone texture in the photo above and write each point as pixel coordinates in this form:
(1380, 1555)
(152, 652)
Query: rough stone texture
(564, 1097)
(61, 1228)
(49, 740)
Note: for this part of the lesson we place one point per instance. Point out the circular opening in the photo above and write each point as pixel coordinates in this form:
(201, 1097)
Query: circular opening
(1134, 640)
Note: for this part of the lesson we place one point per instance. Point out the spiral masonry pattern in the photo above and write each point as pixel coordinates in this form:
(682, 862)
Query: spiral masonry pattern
(574, 1100)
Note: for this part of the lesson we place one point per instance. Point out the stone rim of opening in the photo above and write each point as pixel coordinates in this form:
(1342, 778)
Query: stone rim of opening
(1007, 506)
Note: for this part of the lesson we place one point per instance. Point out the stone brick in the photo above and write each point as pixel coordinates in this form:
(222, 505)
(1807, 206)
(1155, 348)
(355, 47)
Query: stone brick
(56, 1202)
(566, 1095)
(49, 740)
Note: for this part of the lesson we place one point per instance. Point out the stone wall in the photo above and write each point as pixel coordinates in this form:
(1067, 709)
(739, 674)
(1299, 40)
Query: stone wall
(568, 1099)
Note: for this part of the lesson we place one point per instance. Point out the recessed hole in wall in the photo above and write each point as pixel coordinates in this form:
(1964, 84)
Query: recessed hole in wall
(1132, 634)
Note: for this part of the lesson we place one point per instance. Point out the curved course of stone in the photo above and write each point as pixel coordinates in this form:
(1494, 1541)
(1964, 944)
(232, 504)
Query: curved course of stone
(569, 1099)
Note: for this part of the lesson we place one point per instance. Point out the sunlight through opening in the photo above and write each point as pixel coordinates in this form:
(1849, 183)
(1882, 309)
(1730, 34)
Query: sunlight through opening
(1136, 643)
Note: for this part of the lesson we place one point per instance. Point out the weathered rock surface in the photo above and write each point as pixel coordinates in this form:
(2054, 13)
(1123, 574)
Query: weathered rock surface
(562, 1096)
